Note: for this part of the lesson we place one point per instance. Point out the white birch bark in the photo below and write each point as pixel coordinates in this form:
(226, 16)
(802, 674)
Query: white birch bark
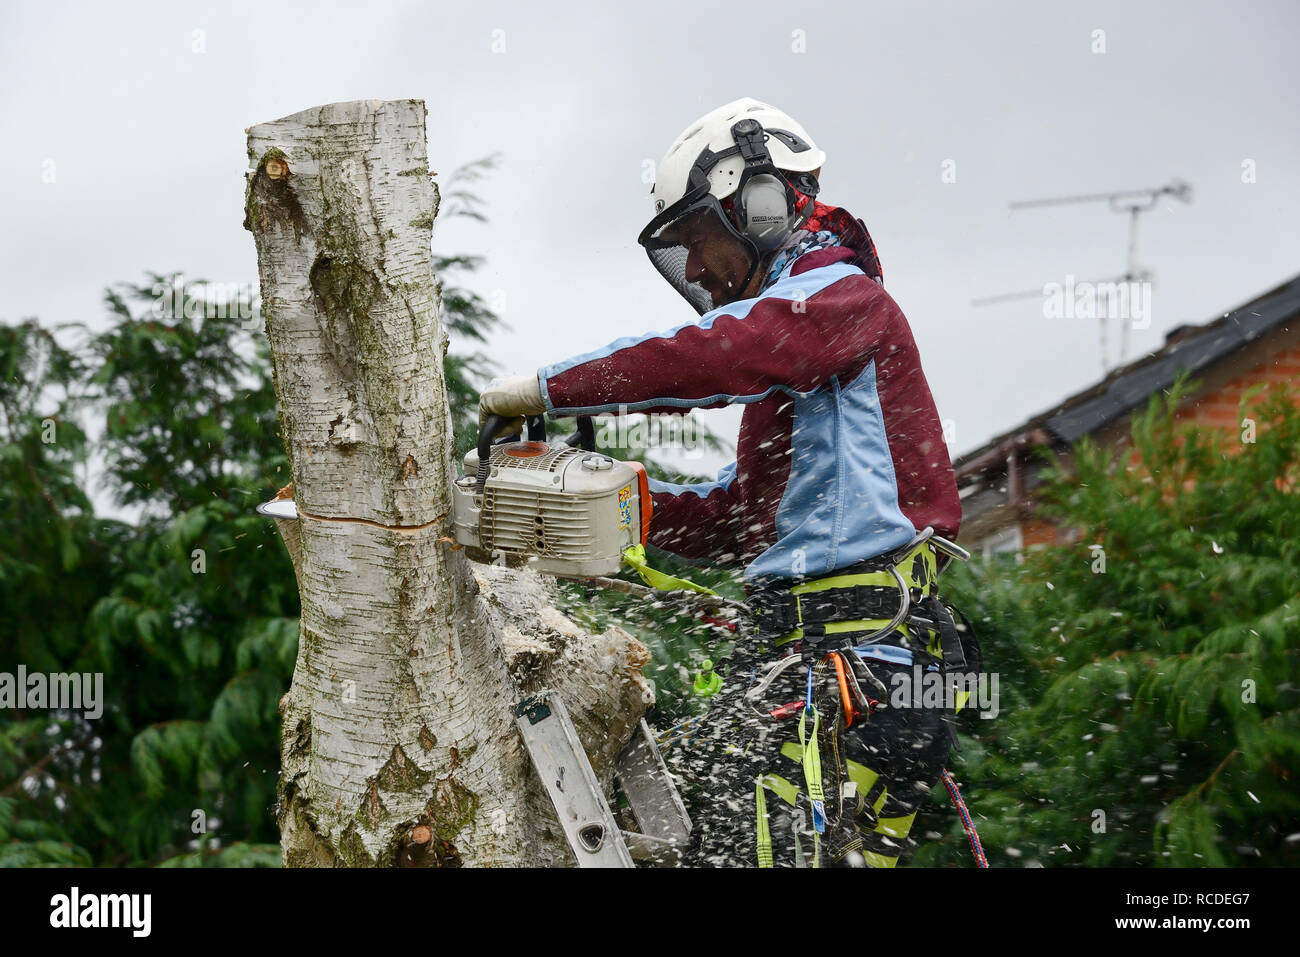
(399, 744)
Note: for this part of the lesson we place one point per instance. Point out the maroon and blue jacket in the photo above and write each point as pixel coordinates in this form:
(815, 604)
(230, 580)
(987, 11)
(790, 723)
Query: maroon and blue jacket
(841, 455)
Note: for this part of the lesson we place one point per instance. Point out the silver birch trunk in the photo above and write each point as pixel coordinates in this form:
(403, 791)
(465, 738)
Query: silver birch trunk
(398, 744)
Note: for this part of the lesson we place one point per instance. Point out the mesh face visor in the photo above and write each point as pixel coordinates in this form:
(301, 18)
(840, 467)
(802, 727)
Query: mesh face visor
(696, 249)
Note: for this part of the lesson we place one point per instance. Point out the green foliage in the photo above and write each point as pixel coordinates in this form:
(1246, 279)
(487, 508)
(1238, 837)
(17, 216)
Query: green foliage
(34, 842)
(189, 615)
(238, 854)
(188, 402)
(1161, 688)
(48, 531)
(54, 564)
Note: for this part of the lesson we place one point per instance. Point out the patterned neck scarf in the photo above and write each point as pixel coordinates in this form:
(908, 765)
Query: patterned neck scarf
(800, 242)
(827, 226)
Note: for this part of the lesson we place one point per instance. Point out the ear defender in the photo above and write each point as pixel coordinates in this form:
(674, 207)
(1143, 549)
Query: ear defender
(767, 211)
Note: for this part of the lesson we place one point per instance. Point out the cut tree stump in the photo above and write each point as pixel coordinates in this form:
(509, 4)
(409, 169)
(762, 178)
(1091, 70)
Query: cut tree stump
(399, 745)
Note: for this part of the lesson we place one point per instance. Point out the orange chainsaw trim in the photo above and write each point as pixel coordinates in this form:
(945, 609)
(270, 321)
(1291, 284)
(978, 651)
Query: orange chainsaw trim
(526, 450)
(647, 503)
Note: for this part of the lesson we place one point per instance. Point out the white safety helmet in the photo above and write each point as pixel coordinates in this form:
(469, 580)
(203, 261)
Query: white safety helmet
(748, 150)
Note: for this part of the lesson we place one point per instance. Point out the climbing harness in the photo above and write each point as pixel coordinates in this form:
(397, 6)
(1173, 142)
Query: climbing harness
(881, 614)
(880, 596)
(878, 611)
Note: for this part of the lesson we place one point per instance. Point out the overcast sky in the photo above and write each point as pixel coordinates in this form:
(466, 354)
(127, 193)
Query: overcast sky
(145, 138)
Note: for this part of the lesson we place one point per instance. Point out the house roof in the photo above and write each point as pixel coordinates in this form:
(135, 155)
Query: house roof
(1190, 348)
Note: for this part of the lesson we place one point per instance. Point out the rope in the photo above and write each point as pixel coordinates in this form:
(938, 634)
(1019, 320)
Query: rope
(976, 848)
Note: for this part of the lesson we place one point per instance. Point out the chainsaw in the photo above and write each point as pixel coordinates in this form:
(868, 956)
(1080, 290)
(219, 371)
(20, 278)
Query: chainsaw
(560, 507)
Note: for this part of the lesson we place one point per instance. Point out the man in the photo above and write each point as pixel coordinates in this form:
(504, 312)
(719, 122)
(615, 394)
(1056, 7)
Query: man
(840, 461)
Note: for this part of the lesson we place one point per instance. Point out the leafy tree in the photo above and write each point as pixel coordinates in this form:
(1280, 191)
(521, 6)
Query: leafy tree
(188, 615)
(48, 529)
(189, 406)
(53, 567)
(1150, 710)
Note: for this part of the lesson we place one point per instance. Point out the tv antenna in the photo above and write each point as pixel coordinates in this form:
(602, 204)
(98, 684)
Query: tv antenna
(1135, 202)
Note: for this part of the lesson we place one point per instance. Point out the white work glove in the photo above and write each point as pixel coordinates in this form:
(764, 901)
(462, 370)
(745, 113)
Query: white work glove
(514, 397)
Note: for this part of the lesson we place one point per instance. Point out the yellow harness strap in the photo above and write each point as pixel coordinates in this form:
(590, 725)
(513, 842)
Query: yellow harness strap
(880, 578)
(764, 828)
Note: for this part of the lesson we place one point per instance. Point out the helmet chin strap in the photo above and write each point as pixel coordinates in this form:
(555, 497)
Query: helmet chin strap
(755, 281)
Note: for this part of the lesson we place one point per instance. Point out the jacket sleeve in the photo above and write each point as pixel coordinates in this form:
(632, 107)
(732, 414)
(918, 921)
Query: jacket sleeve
(698, 522)
(788, 338)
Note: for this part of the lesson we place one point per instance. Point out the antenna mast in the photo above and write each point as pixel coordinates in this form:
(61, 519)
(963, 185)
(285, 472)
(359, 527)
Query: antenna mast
(1134, 202)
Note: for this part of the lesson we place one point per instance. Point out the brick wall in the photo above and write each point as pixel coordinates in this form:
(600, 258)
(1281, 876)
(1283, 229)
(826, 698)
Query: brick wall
(1218, 408)
(1035, 531)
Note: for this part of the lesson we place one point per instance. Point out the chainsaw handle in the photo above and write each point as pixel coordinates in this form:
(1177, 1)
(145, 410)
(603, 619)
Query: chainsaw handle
(493, 424)
(536, 425)
(585, 437)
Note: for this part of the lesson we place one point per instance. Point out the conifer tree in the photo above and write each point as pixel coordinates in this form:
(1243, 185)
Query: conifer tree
(1150, 703)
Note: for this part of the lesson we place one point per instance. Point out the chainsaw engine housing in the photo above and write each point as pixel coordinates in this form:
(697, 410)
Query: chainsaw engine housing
(562, 510)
